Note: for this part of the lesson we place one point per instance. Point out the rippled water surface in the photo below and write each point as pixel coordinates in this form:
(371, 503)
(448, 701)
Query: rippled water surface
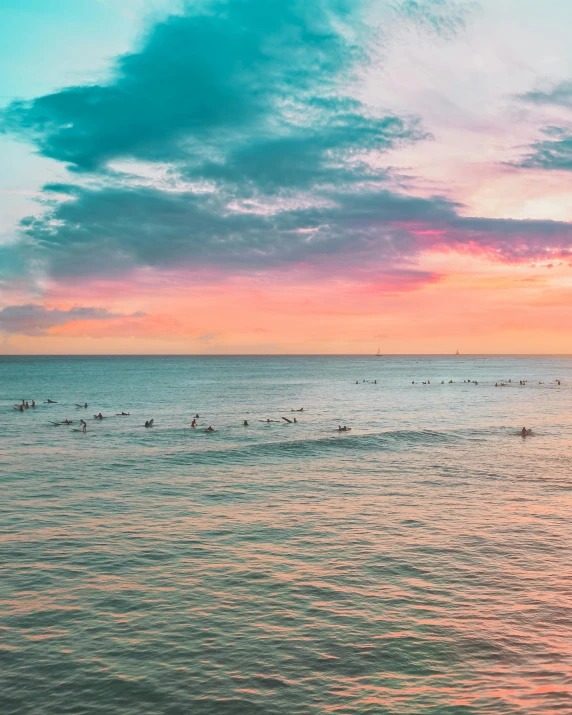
(420, 563)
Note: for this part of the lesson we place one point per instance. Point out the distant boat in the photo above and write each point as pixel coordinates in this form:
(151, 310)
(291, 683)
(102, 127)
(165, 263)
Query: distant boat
(457, 353)
(378, 353)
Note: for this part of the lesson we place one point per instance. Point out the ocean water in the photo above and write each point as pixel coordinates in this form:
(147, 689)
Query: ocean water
(421, 563)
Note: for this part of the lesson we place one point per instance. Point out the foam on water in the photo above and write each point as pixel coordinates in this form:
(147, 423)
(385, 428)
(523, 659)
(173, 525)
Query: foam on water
(417, 564)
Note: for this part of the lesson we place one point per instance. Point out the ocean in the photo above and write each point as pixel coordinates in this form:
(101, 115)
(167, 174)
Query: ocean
(420, 563)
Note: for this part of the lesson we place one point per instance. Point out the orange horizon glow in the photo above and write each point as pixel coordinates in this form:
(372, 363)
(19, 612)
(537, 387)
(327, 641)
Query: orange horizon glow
(463, 302)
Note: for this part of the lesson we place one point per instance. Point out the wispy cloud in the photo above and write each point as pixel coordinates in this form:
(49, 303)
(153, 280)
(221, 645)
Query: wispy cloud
(554, 150)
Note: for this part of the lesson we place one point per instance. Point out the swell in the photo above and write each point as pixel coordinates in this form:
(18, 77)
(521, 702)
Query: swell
(350, 444)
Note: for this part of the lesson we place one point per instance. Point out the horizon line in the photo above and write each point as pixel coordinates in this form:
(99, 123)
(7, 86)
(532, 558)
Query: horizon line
(372, 355)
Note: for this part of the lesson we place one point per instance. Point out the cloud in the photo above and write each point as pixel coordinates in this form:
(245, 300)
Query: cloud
(439, 16)
(246, 106)
(559, 95)
(36, 320)
(207, 337)
(553, 153)
(200, 79)
(111, 231)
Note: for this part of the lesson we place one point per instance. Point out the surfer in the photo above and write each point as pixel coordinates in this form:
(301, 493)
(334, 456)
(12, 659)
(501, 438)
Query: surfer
(525, 432)
(123, 414)
(98, 416)
(287, 420)
(194, 423)
(50, 402)
(209, 429)
(149, 423)
(84, 428)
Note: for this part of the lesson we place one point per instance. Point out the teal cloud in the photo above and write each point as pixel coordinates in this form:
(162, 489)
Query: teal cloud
(554, 153)
(554, 150)
(249, 103)
(218, 74)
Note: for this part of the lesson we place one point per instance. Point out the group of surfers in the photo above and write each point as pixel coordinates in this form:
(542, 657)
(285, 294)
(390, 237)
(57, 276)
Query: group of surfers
(24, 405)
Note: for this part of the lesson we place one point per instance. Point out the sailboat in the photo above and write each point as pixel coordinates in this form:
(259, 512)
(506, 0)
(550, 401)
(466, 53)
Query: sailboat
(378, 353)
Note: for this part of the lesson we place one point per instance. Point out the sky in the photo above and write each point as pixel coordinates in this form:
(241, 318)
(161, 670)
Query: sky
(278, 176)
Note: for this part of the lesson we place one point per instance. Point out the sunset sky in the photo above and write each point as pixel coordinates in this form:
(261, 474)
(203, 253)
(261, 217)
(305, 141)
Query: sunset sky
(285, 176)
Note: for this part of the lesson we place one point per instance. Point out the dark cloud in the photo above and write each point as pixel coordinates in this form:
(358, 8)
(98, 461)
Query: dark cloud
(109, 231)
(272, 161)
(37, 320)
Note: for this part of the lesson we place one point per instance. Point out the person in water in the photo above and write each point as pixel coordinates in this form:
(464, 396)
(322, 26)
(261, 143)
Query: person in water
(67, 422)
(245, 423)
(98, 416)
(123, 414)
(51, 402)
(525, 432)
(33, 403)
(209, 429)
(197, 417)
(194, 423)
(149, 423)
